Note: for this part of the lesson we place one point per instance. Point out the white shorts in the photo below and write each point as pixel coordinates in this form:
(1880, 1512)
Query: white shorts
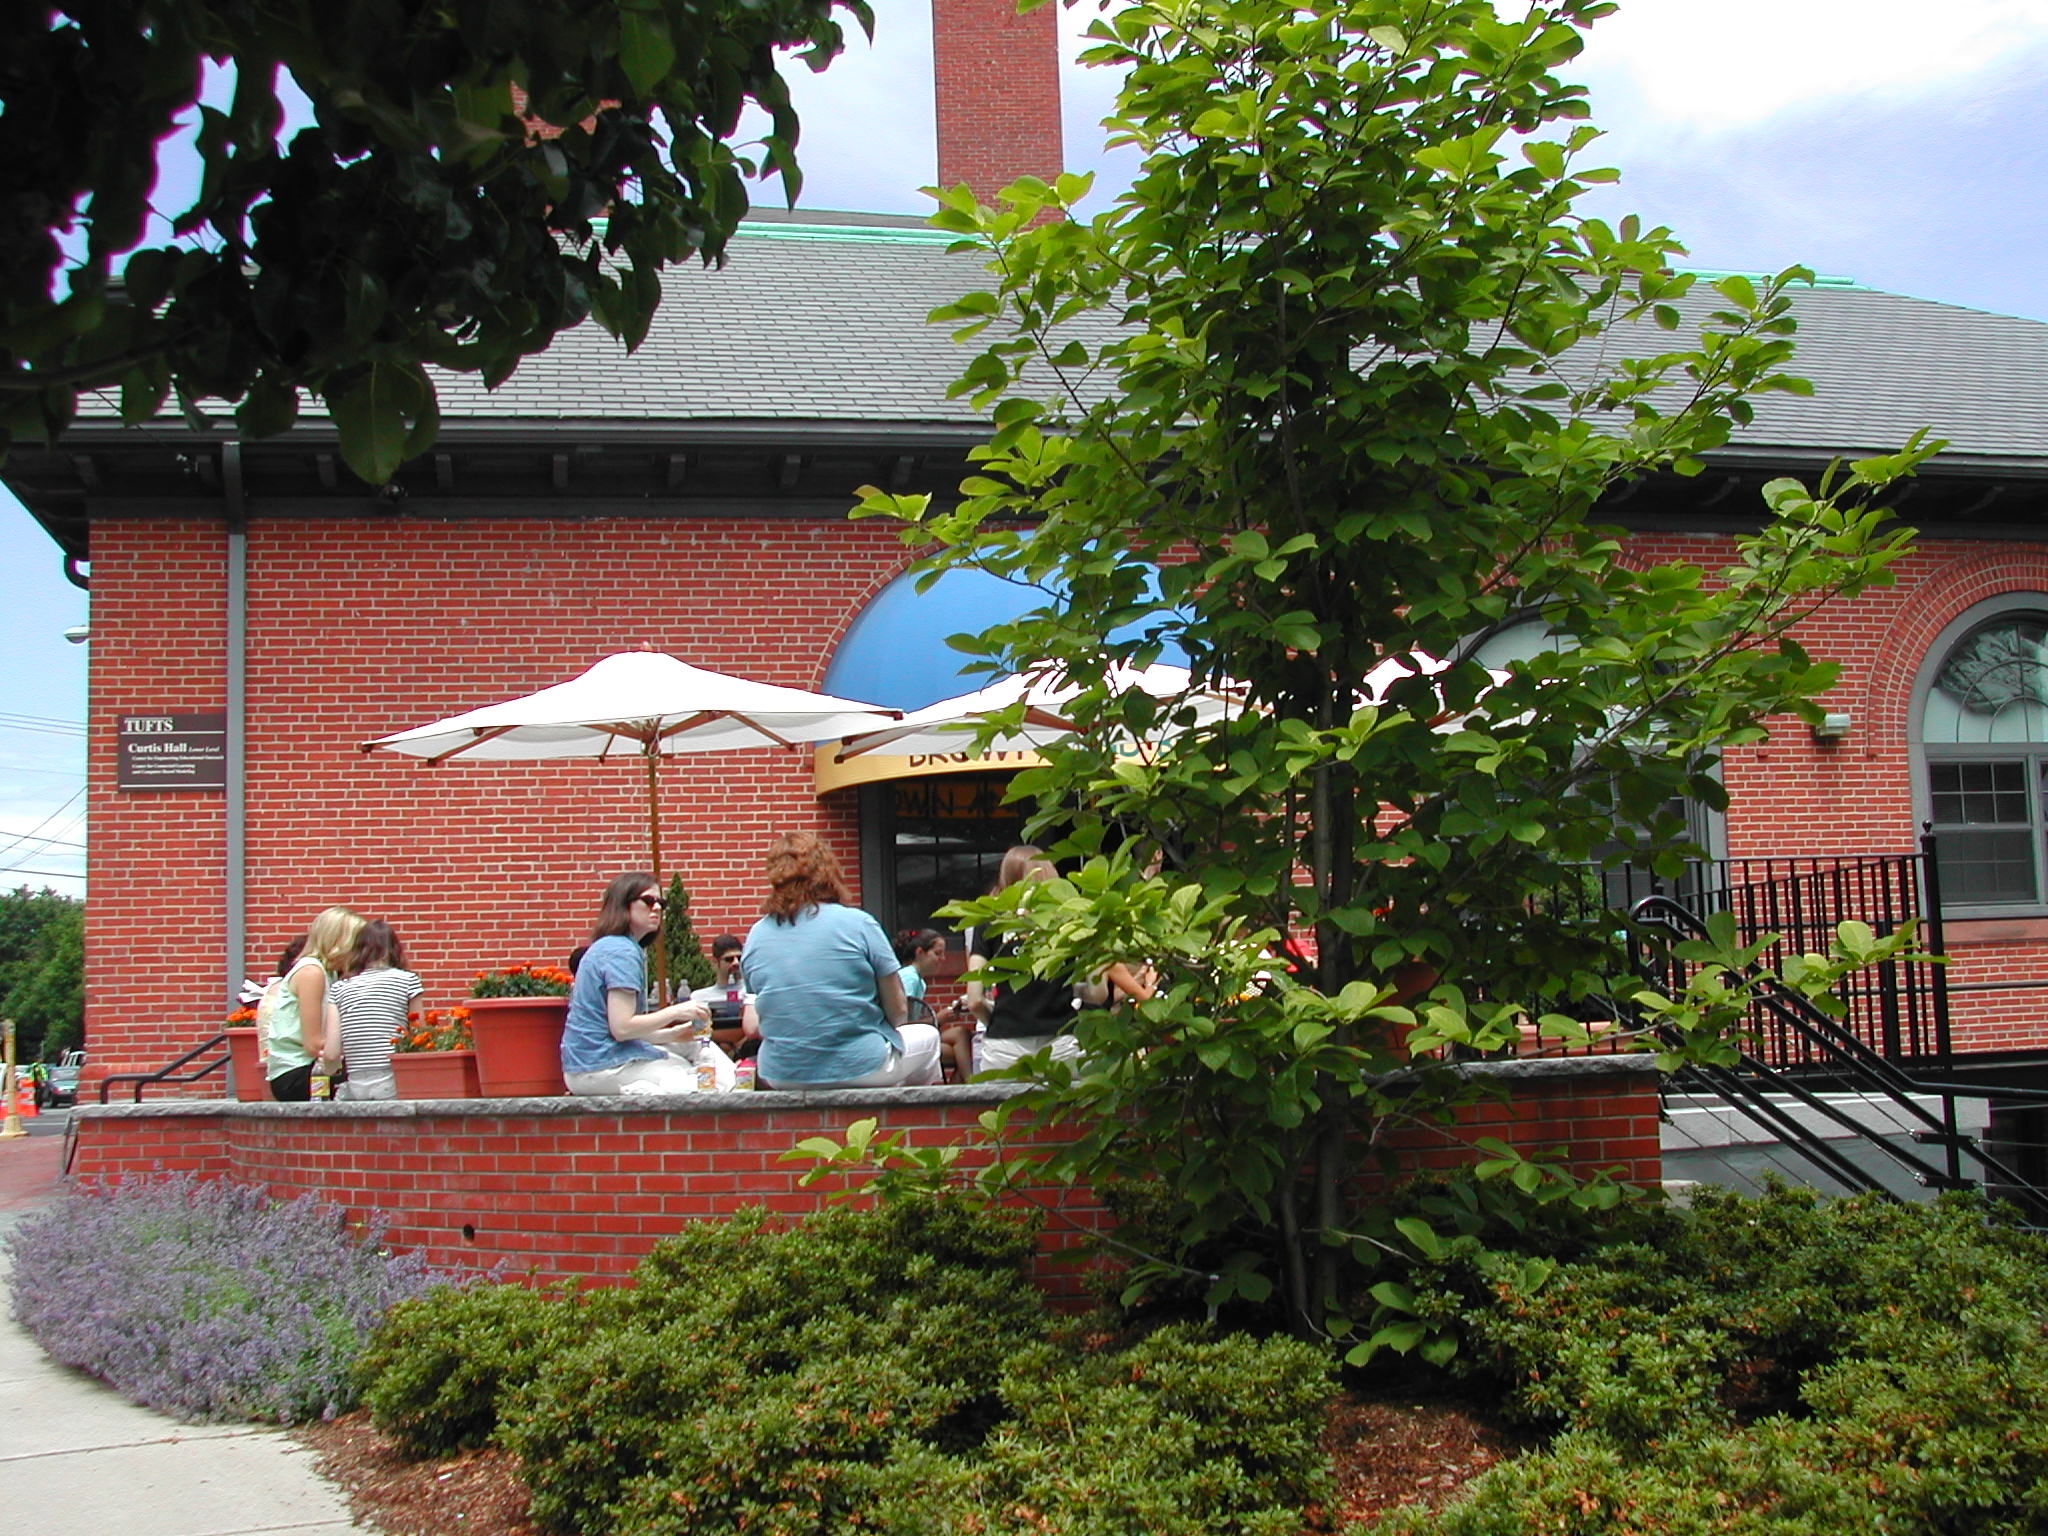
(675, 1072)
(915, 1066)
(994, 1054)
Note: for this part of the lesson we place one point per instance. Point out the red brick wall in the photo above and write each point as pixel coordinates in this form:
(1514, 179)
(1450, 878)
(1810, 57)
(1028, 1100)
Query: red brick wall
(573, 1190)
(153, 925)
(360, 628)
(997, 87)
(1792, 795)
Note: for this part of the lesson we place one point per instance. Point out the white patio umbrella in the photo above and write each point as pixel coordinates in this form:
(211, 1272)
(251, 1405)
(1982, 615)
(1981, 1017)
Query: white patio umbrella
(643, 704)
(948, 725)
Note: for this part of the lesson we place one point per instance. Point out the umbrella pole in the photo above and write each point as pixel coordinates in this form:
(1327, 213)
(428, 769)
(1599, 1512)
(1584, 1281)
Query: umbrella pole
(654, 846)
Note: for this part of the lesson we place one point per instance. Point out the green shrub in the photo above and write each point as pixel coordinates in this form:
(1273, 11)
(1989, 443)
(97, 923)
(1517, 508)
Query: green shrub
(1777, 1365)
(1722, 1313)
(433, 1374)
(1181, 1435)
(1765, 1482)
(756, 1375)
(884, 1370)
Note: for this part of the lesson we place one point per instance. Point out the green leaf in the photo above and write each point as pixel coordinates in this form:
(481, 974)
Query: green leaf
(647, 51)
(377, 416)
(1422, 1235)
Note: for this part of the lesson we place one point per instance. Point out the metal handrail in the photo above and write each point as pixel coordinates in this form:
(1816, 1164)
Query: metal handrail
(142, 1080)
(1846, 1057)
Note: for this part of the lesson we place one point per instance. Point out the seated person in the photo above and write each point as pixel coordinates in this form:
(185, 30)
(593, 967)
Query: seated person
(828, 1004)
(1021, 1019)
(727, 998)
(922, 950)
(612, 1042)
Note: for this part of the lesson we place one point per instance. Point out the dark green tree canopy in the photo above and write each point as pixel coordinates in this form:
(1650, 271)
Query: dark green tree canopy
(418, 221)
(42, 970)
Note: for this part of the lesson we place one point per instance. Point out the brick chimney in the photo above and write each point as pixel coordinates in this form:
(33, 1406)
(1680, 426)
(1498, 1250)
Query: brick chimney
(998, 93)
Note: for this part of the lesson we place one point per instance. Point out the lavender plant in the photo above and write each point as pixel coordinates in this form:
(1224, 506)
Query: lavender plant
(206, 1299)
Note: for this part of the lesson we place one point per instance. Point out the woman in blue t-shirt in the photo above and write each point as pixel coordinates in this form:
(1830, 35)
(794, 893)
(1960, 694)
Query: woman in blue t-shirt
(828, 1003)
(612, 1042)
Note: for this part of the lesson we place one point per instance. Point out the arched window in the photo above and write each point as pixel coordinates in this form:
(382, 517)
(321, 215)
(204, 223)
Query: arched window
(1529, 638)
(1982, 708)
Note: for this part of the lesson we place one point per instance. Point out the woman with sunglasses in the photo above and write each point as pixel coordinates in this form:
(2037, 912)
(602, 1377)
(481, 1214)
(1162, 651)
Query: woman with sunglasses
(612, 1042)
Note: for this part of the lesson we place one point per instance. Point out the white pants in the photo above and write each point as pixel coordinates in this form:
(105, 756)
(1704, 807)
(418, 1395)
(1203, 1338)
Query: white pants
(994, 1054)
(363, 1088)
(672, 1073)
(915, 1066)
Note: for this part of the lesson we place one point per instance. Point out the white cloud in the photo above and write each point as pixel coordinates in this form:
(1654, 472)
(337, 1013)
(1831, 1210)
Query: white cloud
(1718, 64)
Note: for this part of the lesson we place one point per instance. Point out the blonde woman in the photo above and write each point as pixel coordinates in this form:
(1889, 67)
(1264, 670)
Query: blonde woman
(305, 1030)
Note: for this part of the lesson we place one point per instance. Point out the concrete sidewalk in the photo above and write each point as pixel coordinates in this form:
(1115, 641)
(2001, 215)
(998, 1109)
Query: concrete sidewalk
(77, 1459)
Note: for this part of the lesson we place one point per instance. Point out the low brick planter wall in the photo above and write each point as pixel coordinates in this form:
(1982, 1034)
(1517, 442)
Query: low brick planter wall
(558, 1187)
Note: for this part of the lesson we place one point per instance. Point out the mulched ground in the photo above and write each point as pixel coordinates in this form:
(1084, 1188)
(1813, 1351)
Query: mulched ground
(477, 1492)
(1384, 1453)
(1389, 1453)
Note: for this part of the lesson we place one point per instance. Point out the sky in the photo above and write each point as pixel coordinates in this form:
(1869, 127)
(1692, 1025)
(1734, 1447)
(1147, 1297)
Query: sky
(1904, 146)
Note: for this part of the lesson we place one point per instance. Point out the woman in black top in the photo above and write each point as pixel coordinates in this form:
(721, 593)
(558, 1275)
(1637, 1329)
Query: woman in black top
(1022, 1018)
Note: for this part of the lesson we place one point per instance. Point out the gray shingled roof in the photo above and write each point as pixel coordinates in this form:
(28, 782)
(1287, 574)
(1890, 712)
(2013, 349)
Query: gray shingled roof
(822, 323)
(821, 318)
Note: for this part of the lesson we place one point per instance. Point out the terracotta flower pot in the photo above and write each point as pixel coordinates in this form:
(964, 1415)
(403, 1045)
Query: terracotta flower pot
(435, 1074)
(247, 1067)
(519, 1045)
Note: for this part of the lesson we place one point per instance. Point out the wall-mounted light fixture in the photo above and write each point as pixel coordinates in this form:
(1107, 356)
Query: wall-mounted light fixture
(78, 634)
(1832, 727)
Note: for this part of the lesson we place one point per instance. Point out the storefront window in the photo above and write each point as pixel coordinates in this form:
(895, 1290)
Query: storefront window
(942, 841)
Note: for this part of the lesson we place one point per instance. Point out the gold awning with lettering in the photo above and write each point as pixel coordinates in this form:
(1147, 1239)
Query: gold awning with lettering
(832, 772)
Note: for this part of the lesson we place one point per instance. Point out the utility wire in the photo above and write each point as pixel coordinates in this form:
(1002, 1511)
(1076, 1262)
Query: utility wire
(42, 724)
(30, 835)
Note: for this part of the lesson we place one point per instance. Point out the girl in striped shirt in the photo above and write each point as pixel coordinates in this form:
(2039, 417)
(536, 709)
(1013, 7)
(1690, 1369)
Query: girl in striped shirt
(377, 1000)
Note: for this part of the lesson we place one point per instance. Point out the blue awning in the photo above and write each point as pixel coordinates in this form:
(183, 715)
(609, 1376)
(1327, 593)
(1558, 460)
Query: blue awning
(895, 651)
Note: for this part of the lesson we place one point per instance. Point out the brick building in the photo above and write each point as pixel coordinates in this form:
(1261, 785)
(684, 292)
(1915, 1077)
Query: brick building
(693, 497)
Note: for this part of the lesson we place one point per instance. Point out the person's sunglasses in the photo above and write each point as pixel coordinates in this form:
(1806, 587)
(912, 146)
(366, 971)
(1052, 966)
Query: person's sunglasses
(652, 901)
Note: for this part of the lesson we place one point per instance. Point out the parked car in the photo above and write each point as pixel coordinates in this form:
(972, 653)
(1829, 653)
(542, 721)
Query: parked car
(62, 1087)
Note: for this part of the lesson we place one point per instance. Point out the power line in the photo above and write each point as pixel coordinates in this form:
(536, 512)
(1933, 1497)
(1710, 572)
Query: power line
(42, 874)
(55, 842)
(30, 835)
(42, 726)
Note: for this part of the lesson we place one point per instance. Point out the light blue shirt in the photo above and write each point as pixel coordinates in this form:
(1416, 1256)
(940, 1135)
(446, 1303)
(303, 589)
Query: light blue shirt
(614, 961)
(913, 981)
(813, 982)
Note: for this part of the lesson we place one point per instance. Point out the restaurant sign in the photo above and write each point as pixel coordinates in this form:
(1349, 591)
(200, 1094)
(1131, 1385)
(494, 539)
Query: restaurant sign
(172, 750)
(834, 772)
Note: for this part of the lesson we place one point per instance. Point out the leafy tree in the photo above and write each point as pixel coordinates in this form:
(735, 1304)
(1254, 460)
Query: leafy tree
(418, 221)
(1347, 371)
(42, 970)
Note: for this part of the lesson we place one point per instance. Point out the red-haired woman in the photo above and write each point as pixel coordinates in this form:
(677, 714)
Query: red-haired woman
(828, 1003)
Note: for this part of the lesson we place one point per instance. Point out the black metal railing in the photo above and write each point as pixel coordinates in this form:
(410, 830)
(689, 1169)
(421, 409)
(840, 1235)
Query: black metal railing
(1914, 1112)
(188, 1068)
(1897, 1010)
